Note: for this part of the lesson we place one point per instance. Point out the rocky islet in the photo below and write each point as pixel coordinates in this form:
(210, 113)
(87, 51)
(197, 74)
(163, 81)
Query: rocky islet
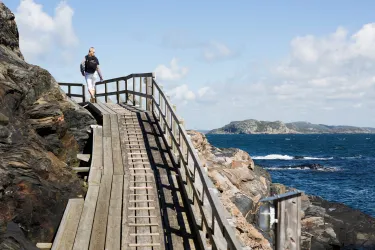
(252, 126)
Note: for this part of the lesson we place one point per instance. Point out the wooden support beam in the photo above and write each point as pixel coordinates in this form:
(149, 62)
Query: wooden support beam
(44, 246)
(81, 169)
(84, 157)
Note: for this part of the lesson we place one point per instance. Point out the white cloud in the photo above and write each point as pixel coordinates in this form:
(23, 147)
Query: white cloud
(209, 51)
(182, 94)
(172, 73)
(215, 51)
(64, 25)
(328, 79)
(203, 91)
(331, 67)
(41, 33)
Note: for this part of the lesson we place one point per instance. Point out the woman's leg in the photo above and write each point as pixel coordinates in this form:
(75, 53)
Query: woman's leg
(90, 88)
(95, 77)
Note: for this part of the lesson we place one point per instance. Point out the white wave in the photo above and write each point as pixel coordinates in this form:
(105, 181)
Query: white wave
(329, 169)
(324, 169)
(317, 158)
(351, 157)
(283, 169)
(287, 157)
(273, 157)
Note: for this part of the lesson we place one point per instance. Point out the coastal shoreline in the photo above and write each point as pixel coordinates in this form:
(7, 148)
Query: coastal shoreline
(325, 224)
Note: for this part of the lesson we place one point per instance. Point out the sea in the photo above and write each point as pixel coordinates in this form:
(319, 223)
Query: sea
(336, 167)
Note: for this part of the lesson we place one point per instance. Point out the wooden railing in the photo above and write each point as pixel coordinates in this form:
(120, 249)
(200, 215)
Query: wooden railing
(70, 85)
(211, 218)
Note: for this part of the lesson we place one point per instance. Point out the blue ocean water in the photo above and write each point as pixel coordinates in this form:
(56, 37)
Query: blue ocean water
(347, 174)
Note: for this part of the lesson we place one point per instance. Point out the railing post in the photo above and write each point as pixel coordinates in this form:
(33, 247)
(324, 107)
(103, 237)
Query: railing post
(83, 93)
(117, 94)
(168, 118)
(182, 145)
(69, 90)
(161, 109)
(152, 91)
(105, 90)
(126, 91)
(95, 92)
(140, 91)
(133, 91)
(149, 94)
(173, 128)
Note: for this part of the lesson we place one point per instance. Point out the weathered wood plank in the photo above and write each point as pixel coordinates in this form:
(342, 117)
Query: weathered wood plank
(108, 159)
(68, 226)
(102, 111)
(44, 246)
(104, 107)
(117, 108)
(289, 230)
(125, 220)
(97, 157)
(81, 169)
(113, 240)
(83, 157)
(99, 229)
(281, 225)
(106, 125)
(82, 239)
(118, 167)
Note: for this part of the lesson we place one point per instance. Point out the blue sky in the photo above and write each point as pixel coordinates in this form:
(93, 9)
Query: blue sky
(219, 60)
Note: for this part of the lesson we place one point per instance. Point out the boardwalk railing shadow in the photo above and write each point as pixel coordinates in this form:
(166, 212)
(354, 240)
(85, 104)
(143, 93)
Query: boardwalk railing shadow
(199, 212)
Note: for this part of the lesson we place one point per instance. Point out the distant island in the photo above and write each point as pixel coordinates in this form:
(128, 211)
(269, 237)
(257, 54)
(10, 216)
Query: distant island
(252, 126)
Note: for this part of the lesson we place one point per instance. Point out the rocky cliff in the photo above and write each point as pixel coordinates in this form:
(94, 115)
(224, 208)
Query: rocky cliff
(325, 225)
(41, 132)
(252, 126)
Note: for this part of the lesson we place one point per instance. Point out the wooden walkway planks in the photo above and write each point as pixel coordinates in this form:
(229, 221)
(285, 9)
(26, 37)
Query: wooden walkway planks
(122, 207)
(97, 106)
(68, 227)
(99, 229)
(82, 239)
(97, 157)
(107, 145)
(142, 228)
(113, 238)
(105, 108)
(118, 167)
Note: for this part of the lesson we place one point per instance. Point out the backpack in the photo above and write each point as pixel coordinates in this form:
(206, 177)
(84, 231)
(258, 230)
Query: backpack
(90, 64)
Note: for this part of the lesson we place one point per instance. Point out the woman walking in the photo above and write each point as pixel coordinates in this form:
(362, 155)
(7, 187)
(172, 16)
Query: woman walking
(90, 70)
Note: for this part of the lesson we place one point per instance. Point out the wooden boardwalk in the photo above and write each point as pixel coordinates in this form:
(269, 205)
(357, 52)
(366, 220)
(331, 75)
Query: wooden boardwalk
(134, 200)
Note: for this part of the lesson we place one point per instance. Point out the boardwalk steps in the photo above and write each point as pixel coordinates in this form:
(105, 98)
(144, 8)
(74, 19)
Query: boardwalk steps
(147, 152)
(121, 209)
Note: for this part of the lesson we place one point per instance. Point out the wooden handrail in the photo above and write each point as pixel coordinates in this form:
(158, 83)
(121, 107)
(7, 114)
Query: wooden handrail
(82, 95)
(218, 212)
(123, 78)
(209, 214)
